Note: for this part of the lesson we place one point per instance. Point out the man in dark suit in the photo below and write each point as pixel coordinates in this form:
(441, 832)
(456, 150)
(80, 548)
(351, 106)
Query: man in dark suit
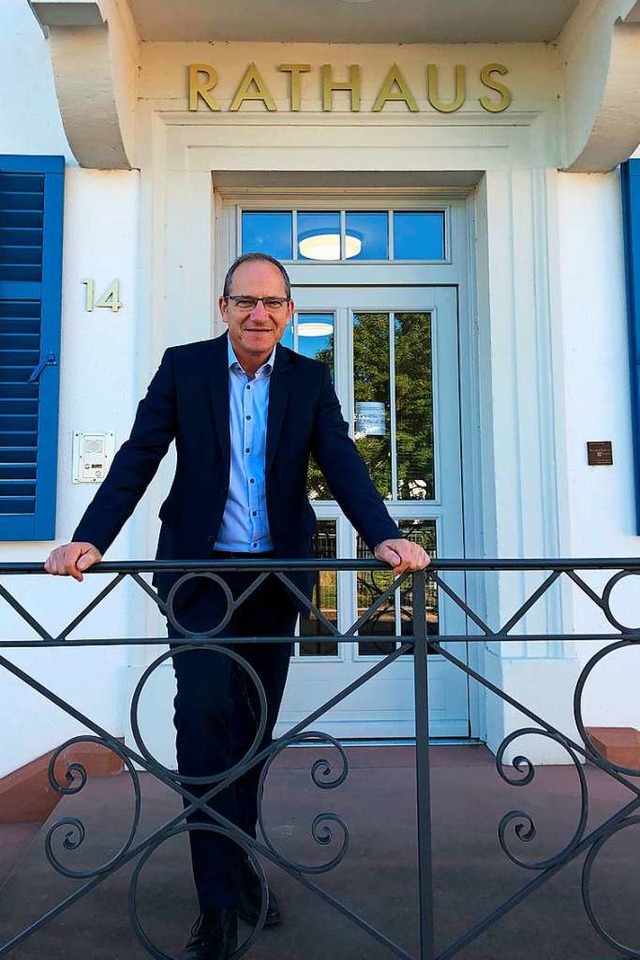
(245, 414)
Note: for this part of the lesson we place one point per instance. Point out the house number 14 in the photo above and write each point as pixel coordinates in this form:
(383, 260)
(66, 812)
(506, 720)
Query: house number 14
(110, 299)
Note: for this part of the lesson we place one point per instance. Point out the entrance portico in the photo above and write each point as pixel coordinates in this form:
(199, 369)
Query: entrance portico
(478, 111)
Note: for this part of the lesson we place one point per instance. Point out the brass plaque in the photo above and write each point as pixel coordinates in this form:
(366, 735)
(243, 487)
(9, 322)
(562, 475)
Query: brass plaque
(600, 453)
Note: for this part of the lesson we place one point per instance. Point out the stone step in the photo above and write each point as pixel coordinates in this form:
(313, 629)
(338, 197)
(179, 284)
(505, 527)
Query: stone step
(620, 745)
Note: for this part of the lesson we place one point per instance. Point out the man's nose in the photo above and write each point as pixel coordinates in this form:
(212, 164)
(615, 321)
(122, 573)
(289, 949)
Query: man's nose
(259, 312)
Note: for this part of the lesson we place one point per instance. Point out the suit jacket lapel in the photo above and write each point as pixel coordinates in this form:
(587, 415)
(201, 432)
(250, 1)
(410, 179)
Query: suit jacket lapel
(279, 389)
(219, 390)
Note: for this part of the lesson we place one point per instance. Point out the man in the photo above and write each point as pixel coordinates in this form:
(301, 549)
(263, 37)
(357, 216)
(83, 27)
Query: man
(245, 414)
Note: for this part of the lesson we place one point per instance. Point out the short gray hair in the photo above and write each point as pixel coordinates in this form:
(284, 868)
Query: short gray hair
(255, 258)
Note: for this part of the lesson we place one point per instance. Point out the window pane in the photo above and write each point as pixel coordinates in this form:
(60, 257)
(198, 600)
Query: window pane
(372, 396)
(315, 336)
(268, 232)
(395, 616)
(370, 585)
(424, 533)
(368, 236)
(315, 339)
(325, 597)
(287, 337)
(418, 236)
(319, 236)
(414, 407)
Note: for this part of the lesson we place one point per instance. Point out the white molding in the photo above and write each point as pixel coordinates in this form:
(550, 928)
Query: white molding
(600, 47)
(94, 51)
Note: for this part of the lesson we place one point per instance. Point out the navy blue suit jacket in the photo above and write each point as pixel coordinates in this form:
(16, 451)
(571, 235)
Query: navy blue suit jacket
(188, 401)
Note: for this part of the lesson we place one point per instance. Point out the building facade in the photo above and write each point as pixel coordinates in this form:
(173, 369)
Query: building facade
(445, 191)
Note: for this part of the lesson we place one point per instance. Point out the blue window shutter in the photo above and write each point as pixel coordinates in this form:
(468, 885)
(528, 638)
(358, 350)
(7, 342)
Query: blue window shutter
(31, 214)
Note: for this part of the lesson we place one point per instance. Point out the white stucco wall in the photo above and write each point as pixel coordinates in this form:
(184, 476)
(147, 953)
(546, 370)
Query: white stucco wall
(97, 387)
(600, 501)
(97, 393)
(29, 116)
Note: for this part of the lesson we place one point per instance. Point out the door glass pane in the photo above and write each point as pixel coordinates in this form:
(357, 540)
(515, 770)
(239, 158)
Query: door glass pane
(367, 235)
(319, 236)
(424, 533)
(418, 236)
(268, 232)
(371, 389)
(315, 338)
(395, 616)
(325, 597)
(370, 585)
(414, 406)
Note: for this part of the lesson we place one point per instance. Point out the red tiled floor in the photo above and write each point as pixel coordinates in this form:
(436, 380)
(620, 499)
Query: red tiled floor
(376, 879)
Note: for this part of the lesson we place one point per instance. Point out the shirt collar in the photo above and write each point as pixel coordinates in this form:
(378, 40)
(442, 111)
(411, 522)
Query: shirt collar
(235, 365)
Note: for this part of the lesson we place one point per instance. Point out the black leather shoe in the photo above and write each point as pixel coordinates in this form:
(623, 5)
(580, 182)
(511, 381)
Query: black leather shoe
(250, 898)
(214, 936)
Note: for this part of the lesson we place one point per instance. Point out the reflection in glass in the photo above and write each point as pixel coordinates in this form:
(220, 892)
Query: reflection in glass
(319, 236)
(325, 597)
(395, 618)
(418, 236)
(372, 230)
(370, 585)
(371, 388)
(414, 406)
(424, 533)
(318, 346)
(268, 232)
(315, 336)
(287, 337)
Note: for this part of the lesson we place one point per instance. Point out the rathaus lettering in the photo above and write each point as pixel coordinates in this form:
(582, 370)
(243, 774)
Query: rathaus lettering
(494, 97)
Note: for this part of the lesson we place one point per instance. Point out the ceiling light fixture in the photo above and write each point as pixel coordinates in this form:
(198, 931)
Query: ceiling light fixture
(314, 328)
(326, 246)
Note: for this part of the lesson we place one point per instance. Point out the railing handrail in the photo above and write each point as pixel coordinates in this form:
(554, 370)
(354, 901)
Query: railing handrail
(631, 564)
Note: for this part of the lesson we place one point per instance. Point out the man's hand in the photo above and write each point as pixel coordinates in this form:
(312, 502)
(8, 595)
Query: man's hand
(402, 555)
(72, 559)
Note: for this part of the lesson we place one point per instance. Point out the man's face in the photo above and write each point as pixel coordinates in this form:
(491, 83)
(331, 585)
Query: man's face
(255, 332)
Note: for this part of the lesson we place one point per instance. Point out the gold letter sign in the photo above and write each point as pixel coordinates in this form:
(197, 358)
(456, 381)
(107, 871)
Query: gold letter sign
(203, 79)
(202, 89)
(253, 78)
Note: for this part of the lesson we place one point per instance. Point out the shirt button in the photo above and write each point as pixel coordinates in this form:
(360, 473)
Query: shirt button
(248, 416)
(254, 545)
(248, 387)
(252, 480)
(247, 449)
(254, 513)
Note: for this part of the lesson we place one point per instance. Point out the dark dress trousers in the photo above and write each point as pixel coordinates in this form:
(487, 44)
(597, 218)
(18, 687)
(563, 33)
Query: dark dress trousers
(216, 705)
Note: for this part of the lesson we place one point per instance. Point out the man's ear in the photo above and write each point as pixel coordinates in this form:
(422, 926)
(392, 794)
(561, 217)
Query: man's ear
(223, 307)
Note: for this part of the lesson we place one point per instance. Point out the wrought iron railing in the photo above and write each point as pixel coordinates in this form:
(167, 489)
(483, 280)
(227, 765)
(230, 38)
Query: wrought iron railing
(514, 830)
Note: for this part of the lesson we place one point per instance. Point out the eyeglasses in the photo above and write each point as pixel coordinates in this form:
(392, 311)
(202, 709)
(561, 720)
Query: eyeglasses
(271, 304)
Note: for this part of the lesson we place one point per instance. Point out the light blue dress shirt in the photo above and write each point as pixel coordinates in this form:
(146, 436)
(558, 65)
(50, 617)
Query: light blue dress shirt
(245, 525)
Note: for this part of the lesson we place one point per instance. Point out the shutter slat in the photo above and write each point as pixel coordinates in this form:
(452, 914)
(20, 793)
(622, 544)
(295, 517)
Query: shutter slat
(25, 505)
(20, 253)
(18, 272)
(21, 219)
(22, 182)
(9, 454)
(20, 201)
(19, 341)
